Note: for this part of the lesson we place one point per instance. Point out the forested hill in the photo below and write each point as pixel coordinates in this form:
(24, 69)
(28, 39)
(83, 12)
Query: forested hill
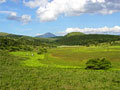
(88, 39)
(19, 42)
(2, 34)
(74, 34)
(11, 41)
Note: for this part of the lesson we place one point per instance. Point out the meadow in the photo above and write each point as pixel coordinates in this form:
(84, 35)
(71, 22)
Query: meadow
(61, 68)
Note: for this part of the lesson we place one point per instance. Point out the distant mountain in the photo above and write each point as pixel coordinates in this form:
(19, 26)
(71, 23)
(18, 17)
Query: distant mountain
(47, 35)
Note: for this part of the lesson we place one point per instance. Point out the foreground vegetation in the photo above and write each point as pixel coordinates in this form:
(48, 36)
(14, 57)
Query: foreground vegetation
(59, 69)
(15, 76)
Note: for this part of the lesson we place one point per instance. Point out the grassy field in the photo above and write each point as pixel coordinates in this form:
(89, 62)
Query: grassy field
(59, 69)
(78, 56)
(71, 57)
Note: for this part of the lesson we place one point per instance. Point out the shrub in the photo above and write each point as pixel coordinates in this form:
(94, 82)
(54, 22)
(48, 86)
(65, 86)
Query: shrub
(28, 48)
(42, 50)
(12, 49)
(98, 64)
(39, 52)
(2, 47)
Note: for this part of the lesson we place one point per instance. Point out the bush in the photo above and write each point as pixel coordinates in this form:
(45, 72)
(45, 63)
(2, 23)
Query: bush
(42, 50)
(12, 49)
(98, 64)
(28, 48)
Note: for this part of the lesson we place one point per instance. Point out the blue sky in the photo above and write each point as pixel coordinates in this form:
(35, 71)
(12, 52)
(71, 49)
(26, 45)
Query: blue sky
(31, 17)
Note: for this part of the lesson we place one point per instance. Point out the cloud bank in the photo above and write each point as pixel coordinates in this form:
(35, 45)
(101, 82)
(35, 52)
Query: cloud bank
(13, 16)
(103, 30)
(50, 11)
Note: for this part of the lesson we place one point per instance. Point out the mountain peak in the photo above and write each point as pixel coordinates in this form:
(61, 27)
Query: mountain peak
(47, 35)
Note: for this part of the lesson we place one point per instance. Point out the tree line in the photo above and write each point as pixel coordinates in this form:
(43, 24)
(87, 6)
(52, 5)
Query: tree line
(24, 43)
(88, 39)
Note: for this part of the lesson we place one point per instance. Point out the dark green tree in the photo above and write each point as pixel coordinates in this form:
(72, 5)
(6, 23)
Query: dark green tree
(98, 64)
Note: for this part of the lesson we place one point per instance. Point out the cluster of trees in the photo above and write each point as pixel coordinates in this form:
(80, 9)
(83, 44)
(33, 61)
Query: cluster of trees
(90, 39)
(23, 43)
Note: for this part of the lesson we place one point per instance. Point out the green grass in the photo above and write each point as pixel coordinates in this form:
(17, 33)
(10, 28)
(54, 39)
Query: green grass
(58, 70)
(71, 57)
(36, 60)
(78, 56)
(30, 60)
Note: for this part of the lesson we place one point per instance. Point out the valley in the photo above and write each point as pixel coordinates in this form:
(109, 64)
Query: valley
(46, 64)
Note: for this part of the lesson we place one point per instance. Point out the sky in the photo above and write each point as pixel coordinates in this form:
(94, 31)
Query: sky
(35, 17)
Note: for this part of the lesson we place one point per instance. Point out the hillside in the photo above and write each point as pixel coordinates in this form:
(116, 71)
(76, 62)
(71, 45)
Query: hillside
(87, 39)
(3, 34)
(74, 34)
(21, 42)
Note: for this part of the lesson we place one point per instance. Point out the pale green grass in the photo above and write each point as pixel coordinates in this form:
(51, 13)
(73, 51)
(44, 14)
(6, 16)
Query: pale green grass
(31, 60)
(35, 60)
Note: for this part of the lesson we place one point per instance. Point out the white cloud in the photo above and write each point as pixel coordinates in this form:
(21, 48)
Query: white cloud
(25, 19)
(103, 30)
(49, 11)
(11, 13)
(2, 1)
(35, 3)
(13, 16)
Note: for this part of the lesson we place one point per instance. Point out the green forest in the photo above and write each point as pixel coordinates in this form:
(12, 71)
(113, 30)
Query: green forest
(88, 39)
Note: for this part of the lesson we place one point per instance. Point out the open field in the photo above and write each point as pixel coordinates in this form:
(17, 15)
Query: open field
(71, 57)
(78, 56)
(59, 69)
